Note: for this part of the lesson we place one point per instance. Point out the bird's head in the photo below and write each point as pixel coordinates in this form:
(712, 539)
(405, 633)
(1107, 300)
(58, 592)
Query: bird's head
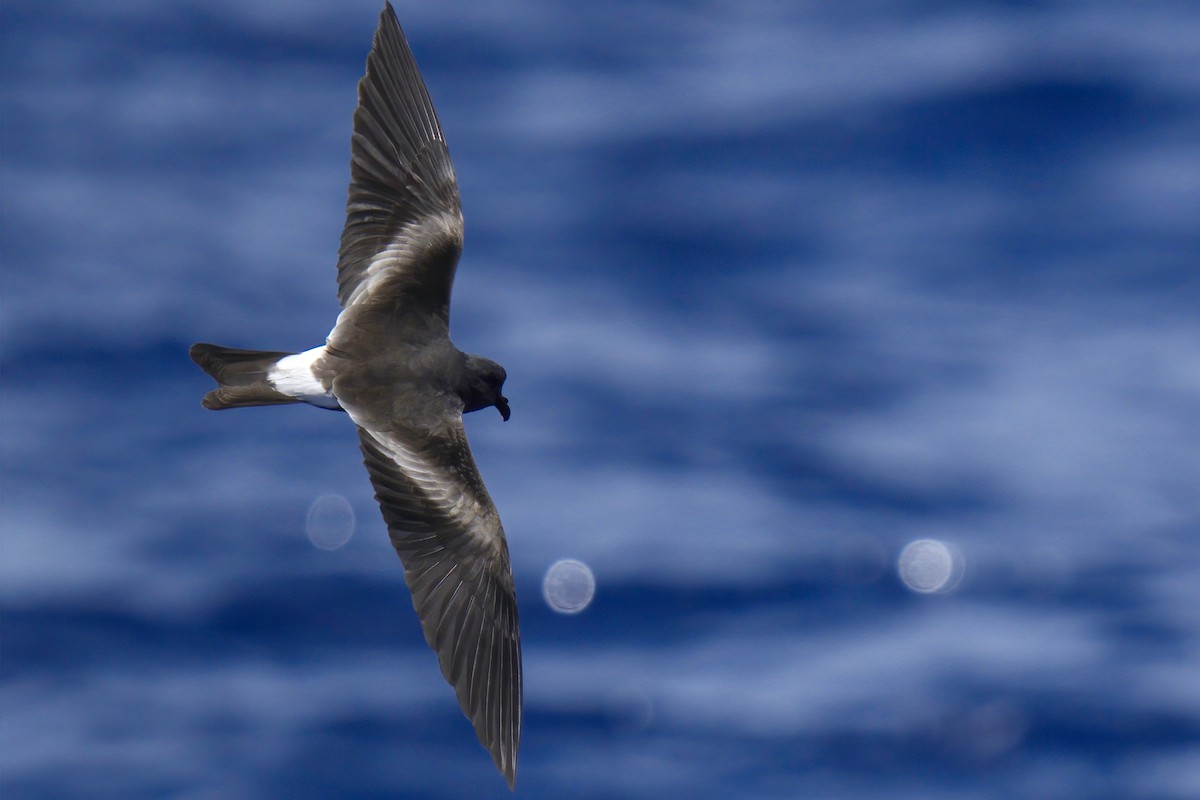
(486, 384)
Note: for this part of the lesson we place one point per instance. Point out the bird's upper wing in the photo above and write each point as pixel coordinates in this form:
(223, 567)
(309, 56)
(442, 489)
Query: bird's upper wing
(445, 528)
(404, 229)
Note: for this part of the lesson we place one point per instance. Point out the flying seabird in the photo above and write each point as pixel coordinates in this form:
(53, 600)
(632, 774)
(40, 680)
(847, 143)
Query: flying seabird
(389, 363)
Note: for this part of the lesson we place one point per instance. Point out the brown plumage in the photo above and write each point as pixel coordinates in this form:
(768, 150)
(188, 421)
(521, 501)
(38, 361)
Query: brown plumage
(389, 363)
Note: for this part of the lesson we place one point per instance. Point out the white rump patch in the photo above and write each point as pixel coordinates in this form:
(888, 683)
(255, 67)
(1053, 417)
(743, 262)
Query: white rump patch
(293, 376)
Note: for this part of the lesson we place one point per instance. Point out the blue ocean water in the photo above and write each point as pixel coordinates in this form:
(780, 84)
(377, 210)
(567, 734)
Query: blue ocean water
(782, 288)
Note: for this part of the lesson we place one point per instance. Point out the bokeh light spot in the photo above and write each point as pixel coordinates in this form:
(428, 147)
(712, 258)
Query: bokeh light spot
(630, 709)
(568, 586)
(330, 522)
(928, 566)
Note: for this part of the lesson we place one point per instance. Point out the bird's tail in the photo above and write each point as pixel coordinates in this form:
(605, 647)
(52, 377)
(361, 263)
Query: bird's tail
(241, 375)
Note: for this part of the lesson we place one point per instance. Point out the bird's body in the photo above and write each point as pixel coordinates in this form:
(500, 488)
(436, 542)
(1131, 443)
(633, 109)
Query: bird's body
(389, 363)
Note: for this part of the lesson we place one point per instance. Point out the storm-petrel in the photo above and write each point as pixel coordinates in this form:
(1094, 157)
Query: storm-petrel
(389, 363)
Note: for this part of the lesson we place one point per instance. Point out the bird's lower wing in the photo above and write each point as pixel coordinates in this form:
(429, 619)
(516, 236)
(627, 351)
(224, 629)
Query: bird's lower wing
(448, 535)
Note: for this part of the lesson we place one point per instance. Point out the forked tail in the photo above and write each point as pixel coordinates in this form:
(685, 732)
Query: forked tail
(241, 375)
